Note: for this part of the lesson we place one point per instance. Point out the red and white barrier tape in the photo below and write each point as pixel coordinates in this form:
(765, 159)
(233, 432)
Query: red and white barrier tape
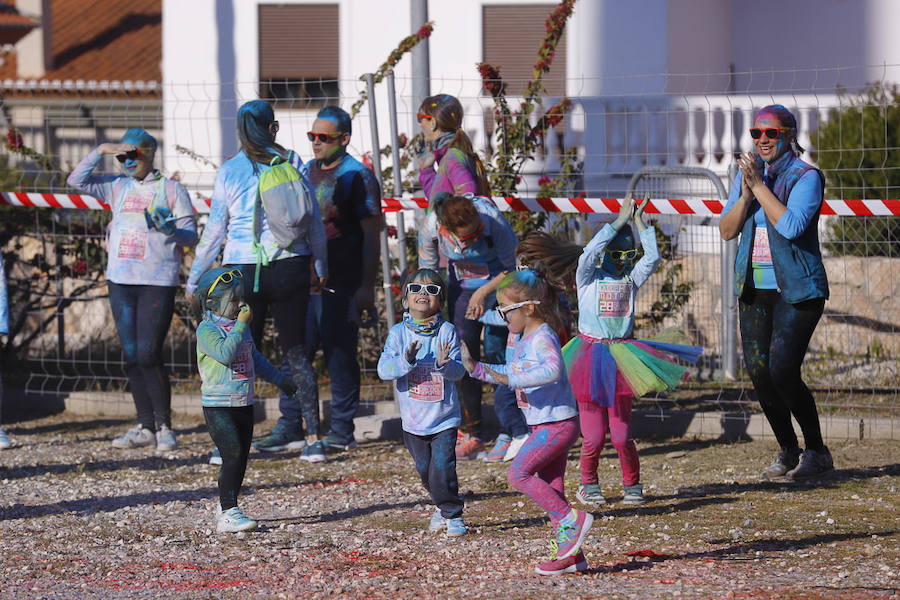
(659, 206)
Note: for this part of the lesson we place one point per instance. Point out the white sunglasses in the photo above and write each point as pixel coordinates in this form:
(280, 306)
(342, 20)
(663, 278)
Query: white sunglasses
(511, 307)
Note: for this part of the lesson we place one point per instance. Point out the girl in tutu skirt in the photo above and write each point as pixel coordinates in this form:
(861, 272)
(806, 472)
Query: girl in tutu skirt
(606, 366)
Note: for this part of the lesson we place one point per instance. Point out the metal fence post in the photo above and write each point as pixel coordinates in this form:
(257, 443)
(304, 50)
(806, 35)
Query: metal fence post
(398, 177)
(729, 300)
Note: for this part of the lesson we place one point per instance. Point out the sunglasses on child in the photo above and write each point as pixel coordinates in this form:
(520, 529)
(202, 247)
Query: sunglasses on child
(503, 310)
(420, 116)
(432, 289)
(771, 132)
(226, 278)
(130, 155)
(323, 137)
(622, 254)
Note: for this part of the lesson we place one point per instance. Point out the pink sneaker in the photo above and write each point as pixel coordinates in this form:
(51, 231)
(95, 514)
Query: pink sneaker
(569, 537)
(559, 566)
(469, 447)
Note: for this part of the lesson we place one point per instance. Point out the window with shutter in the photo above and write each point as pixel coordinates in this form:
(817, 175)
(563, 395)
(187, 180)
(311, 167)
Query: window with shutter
(299, 54)
(511, 36)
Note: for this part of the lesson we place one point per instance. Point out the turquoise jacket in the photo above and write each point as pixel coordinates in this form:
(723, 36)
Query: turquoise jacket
(229, 362)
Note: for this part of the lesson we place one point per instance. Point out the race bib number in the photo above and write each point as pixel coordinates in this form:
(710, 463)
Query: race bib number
(242, 365)
(136, 202)
(614, 298)
(522, 399)
(132, 244)
(761, 251)
(424, 384)
(470, 270)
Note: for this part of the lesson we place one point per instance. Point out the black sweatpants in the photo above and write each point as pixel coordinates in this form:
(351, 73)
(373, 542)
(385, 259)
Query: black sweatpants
(231, 429)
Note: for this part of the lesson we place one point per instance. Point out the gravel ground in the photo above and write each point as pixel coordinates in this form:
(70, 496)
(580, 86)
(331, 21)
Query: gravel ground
(79, 519)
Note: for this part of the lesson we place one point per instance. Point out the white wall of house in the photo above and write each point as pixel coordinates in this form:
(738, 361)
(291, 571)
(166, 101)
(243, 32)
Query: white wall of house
(614, 48)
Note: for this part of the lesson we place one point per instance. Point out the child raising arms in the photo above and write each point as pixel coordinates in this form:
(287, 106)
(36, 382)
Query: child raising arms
(229, 363)
(607, 368)
(421, 354)
(538, 375)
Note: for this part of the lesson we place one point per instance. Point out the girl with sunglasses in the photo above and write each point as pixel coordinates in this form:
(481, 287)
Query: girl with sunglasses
(780, 282)
(152, 224)
(537, 373)
(284, 277)
(229, 363)
(421, 355)
(459, 170)
(606, 366)
(479, 244)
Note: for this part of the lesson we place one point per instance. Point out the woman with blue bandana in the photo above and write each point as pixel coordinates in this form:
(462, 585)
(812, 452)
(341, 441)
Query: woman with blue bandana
(152, 223)
(284, 279)
(780, 282)
(229, 363)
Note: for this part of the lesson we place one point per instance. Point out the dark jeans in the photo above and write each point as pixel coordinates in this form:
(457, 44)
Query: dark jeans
(435, 458)
(231, 429)
(469, 331)
(775, 335)
(328, 324)
(512, 421)
(143, 314)
(284, 291)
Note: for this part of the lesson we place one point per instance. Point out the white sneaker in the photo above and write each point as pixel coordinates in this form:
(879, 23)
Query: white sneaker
(514, 446)
(216, 457)
(4, 440)
(135, 437)
(233, 520)
(165, 439)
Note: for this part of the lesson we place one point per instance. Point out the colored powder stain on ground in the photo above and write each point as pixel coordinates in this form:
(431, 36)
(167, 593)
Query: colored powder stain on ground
(711, 528)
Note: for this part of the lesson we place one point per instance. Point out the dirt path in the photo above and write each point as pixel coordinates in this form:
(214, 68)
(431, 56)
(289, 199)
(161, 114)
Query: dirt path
(79, 519)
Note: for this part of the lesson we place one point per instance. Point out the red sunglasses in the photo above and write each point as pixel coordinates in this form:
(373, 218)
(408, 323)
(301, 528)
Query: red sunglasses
(130, 155)
(471, 236)
(420, 116)
(771, 132)
(323, 137)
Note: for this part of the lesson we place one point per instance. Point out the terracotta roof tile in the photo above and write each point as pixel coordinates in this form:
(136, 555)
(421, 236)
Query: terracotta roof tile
(102, 40)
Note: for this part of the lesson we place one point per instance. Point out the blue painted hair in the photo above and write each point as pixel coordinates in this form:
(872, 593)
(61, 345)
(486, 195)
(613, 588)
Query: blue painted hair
(528, 284)
(338, 116)
(254, 119)
(202, 301)
(139, 138)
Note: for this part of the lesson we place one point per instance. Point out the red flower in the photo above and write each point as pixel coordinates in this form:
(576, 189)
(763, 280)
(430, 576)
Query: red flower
(391, 231)
(402, 140)
(79, 268)
(424, 31)
(544, 180)
(14, 139)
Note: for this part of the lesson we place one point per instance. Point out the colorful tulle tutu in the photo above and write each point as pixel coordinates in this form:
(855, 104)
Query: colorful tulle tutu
(639, 366)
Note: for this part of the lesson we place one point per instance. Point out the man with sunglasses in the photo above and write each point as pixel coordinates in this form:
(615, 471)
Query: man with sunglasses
(152, 223)
(350, 202)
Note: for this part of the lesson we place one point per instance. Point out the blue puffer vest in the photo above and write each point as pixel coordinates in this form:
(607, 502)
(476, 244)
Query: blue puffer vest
(799, 271)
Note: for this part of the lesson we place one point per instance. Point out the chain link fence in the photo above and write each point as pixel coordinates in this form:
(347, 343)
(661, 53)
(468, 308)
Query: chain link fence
(63, 335)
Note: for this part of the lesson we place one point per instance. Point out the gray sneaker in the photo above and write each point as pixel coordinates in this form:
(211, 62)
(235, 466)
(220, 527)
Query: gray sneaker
(135, 437)
(812, 463)
(590, 494)
(165, 439)
(634, 494)
(786, 460)
(4, 441)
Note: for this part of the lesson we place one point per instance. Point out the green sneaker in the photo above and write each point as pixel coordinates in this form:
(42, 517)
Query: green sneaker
(278, 440)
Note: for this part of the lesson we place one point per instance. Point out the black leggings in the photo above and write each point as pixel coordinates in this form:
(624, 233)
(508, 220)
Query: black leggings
(143, 314)
(283, 290)
(775, 335)
(231, 429)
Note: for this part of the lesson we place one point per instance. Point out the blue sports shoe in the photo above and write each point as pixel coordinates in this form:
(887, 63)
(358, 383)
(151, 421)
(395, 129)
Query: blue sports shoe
(335, 443)
(314, 452)
(456, 527)
(501, 445)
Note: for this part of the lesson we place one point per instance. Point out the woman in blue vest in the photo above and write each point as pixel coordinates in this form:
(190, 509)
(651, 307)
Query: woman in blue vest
(780, 282)
(479, 244)
(283, 279)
